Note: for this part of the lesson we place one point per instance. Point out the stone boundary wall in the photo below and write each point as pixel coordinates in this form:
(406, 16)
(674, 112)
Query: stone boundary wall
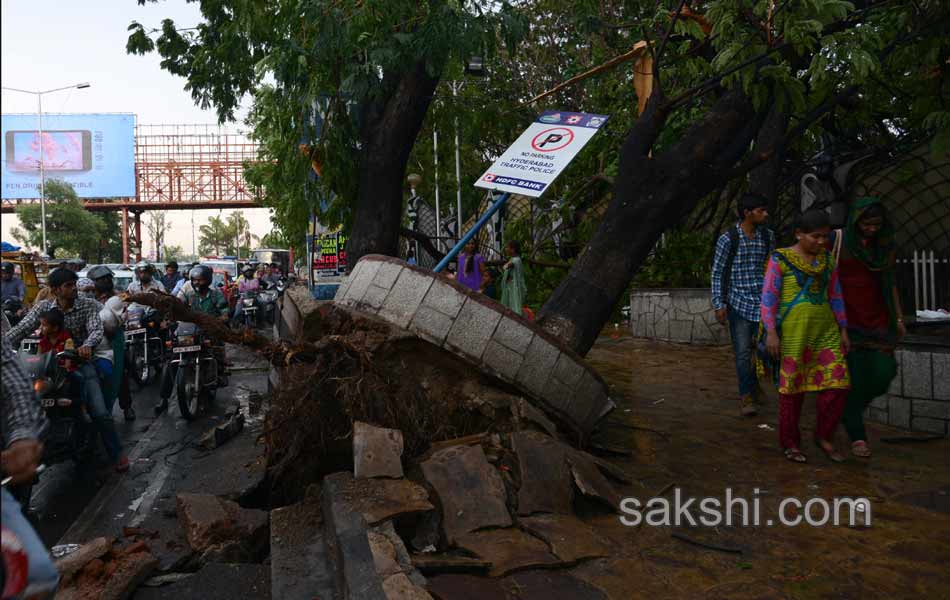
(481, 331)
(676, 315)
(919, 397)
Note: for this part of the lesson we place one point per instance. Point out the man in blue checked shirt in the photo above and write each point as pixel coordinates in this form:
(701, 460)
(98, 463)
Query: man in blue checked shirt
(738, 272)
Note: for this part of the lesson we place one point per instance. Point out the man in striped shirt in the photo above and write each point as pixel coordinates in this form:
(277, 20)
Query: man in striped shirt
(738, 272)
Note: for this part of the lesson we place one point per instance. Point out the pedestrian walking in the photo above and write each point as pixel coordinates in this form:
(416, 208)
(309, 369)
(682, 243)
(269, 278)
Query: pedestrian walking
(806, 328)
(866, 260)
(513, 288)
(738, 272)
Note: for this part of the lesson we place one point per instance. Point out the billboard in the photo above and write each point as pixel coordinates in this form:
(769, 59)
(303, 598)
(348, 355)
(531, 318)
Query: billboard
(93, 153)
(329, 255)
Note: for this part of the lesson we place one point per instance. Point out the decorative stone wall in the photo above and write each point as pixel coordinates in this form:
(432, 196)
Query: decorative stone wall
(676, 315)
(481, 331)
(919, 398)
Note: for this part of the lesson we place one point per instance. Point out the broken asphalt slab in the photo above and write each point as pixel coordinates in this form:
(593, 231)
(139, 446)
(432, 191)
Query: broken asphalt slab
(377, 451)
(299, 559)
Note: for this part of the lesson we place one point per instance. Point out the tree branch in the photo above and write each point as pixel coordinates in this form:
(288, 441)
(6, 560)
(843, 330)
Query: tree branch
(424, 240)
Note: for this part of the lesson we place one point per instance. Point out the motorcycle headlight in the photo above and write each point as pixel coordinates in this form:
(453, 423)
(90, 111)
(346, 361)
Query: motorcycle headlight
(186, 340)
(248, 302)
(40, 386)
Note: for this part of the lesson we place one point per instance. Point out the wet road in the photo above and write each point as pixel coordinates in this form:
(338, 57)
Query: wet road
(73, 503)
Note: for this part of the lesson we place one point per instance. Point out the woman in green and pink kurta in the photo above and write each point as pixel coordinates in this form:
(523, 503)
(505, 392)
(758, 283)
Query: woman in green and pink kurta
(804, 317)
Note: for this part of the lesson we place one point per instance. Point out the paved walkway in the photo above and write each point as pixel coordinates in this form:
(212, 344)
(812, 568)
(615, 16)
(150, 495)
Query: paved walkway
(678, 414)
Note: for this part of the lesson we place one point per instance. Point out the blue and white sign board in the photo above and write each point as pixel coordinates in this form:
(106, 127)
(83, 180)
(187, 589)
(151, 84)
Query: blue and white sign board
(95, 153)
(546, 147)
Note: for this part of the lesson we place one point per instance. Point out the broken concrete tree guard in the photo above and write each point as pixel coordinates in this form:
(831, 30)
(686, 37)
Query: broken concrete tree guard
(485, 334)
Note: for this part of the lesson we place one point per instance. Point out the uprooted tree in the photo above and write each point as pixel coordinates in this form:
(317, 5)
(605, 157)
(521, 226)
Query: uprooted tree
(735, 87)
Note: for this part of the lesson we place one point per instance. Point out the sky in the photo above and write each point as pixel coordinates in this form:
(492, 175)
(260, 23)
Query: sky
(47, 44)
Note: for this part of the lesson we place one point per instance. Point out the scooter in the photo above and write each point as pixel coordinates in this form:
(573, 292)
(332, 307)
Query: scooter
(197, 375)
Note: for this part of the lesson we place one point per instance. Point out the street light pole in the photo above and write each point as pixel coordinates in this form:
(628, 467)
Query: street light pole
(39, 105)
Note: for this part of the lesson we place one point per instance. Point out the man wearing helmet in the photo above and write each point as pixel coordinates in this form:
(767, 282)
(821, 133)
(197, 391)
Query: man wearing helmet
(144, 279)
(113, 324)
(83, 322)
(200, 297)
(12, 286)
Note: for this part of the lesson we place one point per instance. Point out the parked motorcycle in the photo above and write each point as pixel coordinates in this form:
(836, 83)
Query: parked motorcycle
(11, 308)
(143, 342)
(197, 369)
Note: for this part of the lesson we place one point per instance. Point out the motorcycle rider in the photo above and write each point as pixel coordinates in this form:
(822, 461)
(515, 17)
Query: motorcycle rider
(144, 279)
(12, 286)
(113, 324)
(200, 297)
(83, 322)
(22, 451)
(247, 282)
(171, 277)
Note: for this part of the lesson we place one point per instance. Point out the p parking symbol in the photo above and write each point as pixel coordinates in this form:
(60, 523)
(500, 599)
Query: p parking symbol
(552, 140)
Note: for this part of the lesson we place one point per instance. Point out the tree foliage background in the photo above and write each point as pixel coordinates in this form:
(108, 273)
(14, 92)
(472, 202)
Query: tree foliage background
(71, 230)
(830, 74)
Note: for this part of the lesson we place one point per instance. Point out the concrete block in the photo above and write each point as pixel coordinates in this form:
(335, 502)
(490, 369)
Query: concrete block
(941, 373)
(929, 425)
(513, 335)
(299, 562)
(931, 408)
(377, 451)
(430, 325)
(896, 388)
(700, 305)
(664, 301)
(568, 370)
(898, 409)
(539, 359)
(387, 274)
(558, 396)
(503, 361)
(589, 399)
(875, 414)
(373, 298)
(342, 290)
(472, 329)
(361, 279)
(681, 330)
(880, 402)
(917, 373)
(406, 296)
(348, 541)
(445, 299)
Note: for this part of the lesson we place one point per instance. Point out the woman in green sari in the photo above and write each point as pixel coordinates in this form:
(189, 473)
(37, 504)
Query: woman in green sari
(513, 289)
(866, 268)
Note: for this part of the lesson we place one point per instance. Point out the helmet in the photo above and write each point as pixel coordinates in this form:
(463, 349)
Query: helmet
(7, 266)
(201, 272)
(99, 271)
(248, 269)
(144, 265)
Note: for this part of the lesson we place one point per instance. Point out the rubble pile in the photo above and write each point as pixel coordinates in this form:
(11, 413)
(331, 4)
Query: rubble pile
(101, 570)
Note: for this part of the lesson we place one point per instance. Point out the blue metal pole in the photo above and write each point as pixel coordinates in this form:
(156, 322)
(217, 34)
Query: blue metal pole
(471, 234)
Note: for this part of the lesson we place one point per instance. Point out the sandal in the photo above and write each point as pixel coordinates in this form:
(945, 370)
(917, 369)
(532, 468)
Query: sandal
(795, 455)
(832, 455)
(860, 449)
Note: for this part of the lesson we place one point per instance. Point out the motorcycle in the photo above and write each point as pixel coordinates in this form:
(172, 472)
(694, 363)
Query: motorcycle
(143, 342)
(249, 308)
(197, 369)
(68, 433)
(11, 308)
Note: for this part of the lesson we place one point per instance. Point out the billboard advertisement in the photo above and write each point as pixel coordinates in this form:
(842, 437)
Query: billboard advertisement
(94, 153)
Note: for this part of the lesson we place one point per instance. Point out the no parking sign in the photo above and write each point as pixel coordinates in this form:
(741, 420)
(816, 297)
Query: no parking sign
(546, 147)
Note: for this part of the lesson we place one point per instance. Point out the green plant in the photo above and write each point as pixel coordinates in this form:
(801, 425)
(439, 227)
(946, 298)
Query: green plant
(681, 259)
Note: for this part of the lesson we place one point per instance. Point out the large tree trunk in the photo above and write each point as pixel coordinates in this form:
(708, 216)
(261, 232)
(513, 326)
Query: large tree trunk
(765, 178)
(650, 195)
(390, 127)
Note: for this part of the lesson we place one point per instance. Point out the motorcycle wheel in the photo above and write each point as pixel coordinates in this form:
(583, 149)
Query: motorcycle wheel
(187, 394)
(141, 370)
